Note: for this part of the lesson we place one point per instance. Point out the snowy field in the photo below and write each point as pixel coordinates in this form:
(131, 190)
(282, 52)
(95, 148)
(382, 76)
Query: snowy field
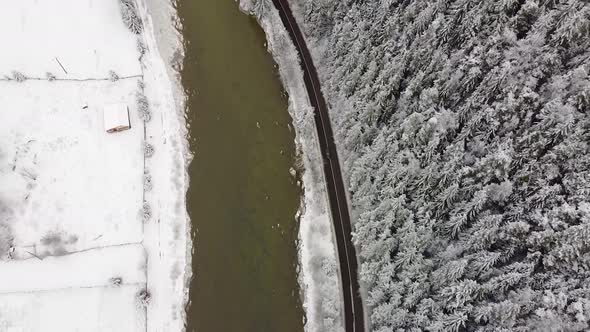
(68, 184)
(89, 309)
(42, 295)
(89, 222)
(88, 37)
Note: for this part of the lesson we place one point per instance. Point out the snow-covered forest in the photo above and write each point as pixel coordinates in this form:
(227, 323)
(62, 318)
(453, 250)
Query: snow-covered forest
(464, 133)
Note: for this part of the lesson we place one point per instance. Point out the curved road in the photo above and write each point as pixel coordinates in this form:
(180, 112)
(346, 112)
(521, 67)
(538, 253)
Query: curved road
(353, 306)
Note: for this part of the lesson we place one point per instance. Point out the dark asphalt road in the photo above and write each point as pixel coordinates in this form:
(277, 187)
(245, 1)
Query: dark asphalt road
(353, 307)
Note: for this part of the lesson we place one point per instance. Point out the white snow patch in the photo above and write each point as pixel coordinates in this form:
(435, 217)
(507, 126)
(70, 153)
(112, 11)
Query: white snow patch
(93, 268)
(67, 186)
(107, 309)
(88, 38)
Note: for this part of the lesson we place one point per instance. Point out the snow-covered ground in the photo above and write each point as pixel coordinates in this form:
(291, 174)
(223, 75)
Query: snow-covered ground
(103, 309)
(319, 274)
(68, 184)
(88, 220)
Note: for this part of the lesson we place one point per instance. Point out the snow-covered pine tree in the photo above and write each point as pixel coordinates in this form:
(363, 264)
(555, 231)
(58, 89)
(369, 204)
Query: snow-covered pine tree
(130, 16)
(465, 131)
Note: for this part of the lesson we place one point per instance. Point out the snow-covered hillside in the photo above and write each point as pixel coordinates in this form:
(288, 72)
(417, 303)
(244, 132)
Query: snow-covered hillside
(90, 222)
(464, 131)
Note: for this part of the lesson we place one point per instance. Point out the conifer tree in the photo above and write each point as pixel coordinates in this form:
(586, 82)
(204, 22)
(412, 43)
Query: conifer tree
(464, 129)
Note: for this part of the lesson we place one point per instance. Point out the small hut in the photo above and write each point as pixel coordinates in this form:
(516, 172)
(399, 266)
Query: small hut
(116, 118)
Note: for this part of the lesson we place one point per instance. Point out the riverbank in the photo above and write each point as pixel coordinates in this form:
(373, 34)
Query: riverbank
(92, 223)
(170, 242)
(319, 278)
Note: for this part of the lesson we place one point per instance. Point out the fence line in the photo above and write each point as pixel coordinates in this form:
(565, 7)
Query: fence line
(5, 79)
(57, 289)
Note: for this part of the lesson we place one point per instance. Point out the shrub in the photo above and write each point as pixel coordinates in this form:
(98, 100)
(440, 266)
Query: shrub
(52, 238)
(18, 76)
(6, 239)
(143, 107)
(116, 281)
(141, 48)
(143, 298)
(113, 77)
(147, 182)
(146, 212)
(148, 150)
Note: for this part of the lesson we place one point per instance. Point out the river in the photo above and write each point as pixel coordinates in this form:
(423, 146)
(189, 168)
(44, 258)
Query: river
(241, 199)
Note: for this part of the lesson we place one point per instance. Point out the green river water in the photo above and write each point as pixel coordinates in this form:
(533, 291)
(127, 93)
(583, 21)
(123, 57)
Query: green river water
(241, 199)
